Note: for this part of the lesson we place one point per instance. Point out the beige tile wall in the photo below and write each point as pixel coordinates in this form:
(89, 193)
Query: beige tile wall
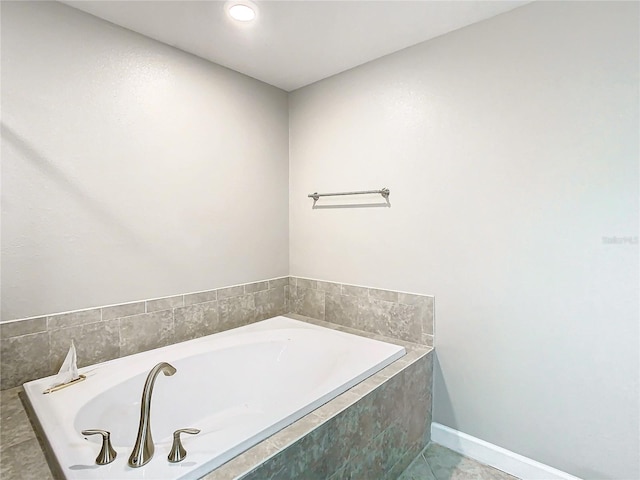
(394, 314)
(35, 347)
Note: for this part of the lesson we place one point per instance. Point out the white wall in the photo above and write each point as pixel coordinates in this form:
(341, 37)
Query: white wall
(511, 149)
(130, 169)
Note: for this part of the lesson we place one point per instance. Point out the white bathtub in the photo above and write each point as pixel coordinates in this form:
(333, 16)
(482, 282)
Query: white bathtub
(238, 387)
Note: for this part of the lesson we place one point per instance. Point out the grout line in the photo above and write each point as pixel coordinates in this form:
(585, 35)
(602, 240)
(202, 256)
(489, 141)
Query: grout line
(427, 461)
(120, 337)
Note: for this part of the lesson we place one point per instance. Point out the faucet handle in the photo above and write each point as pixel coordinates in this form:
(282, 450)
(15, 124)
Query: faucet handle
(178, 452)
(107, 453)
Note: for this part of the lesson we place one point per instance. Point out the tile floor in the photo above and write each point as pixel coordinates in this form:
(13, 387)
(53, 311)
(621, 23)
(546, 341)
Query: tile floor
(439, 463)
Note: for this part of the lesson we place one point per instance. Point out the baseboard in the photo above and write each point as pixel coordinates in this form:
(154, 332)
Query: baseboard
(497, 457)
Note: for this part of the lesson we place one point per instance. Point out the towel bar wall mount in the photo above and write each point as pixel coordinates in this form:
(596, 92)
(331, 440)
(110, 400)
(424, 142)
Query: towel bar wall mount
(383, 191)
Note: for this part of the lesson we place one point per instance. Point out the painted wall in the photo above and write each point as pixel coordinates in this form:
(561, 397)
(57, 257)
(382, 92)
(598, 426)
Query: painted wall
(130, 169)
(511, 151)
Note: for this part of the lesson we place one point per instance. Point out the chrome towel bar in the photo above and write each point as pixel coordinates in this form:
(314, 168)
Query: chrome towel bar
(383, 191)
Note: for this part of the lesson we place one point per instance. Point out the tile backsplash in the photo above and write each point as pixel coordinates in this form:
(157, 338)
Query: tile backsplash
(394, 314)
(35, 347)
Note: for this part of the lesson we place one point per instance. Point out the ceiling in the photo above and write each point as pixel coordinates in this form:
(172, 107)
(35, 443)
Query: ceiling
(294, 43)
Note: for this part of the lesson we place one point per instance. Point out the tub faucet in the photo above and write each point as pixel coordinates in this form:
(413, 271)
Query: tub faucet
(143, 449)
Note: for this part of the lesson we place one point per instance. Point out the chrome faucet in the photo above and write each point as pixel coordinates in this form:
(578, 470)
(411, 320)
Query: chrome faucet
(143, 449)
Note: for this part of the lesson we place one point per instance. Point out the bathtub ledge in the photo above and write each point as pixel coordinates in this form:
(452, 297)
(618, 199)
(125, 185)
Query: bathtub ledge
(241, 466)
(18, 430)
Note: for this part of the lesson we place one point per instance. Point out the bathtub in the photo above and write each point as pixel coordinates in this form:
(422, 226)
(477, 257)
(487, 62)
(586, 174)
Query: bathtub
(238, 387)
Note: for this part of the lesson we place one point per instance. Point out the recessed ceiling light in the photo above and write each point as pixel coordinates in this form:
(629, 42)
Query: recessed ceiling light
(242, 12)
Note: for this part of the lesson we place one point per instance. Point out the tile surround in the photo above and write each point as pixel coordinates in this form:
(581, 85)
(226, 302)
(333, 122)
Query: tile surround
(146, 331)
(23, 458)
(395, 314)
(124, 310)
(24, 357)
(195, 320)
(20, 454)
(23, 327)
(372, 435)
(200, 297)
(35, 347)
(73, 319)
(374, 430)
(166, 303)
(104, 345)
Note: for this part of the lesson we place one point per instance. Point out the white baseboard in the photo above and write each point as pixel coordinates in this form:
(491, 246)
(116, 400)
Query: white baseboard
(494, 456)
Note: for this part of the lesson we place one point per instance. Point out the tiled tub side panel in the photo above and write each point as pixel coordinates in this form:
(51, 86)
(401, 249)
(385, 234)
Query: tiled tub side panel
(394, 314)
(35, 347)
(376, 437)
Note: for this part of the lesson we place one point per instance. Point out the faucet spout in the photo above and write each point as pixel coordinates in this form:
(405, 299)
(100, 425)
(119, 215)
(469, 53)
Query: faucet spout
(144, 448)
